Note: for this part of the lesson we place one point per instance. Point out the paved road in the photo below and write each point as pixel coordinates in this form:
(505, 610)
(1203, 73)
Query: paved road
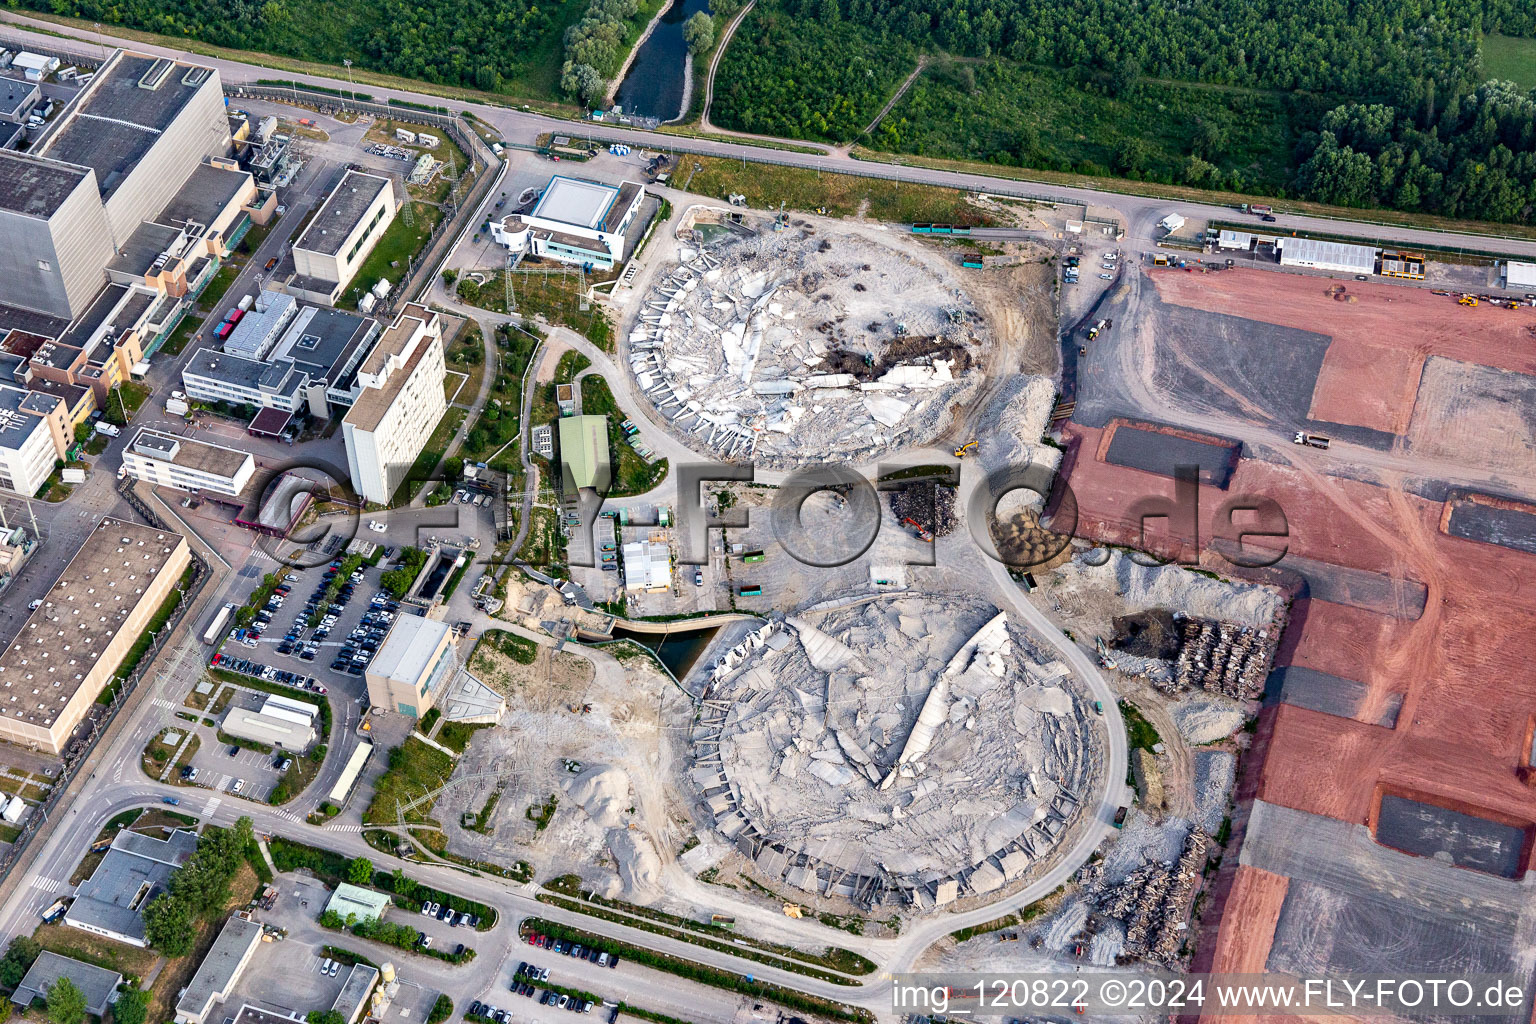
(1141, 213)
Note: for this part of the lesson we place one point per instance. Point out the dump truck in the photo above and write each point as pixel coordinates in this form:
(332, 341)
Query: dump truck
(1311, 440)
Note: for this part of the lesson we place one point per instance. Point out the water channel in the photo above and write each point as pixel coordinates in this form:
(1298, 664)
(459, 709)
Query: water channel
(653, 87)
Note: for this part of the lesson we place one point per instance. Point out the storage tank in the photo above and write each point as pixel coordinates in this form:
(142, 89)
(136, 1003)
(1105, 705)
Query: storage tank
(387, 973)
(381, 289)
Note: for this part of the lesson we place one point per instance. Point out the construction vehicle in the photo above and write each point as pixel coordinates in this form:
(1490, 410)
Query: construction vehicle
(1093, 332)
(964, 449)
(792, 910)
(1159, 260)
(1311, 440)
(1120, 817)
(918, 528)
(1467, 300)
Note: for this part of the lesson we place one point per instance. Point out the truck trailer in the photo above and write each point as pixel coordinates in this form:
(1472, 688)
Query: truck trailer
(216, 627)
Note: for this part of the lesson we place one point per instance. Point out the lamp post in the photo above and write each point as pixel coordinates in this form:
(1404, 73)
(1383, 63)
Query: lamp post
(347, 63)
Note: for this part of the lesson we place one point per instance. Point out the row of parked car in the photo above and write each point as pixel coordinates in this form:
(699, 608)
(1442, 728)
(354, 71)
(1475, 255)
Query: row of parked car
(256, 670)
(453, 917)
(574, 949)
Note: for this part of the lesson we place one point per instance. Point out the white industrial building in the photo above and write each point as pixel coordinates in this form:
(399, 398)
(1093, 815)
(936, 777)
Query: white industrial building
(341, 236)
(1317, 254)
(1518, 275)
(575, 221)
(27, 448)
(647, 565)
(167, 460)
(400, 401)
(273, 730)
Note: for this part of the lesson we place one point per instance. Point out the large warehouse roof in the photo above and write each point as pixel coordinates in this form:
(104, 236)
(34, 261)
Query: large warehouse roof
(261, 728)
(81, 614)
(1324, 255)
(128, 877)
(584, 449)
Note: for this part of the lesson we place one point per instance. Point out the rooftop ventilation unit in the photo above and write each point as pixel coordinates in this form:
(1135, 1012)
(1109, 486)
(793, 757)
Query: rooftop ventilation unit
(196, 76)
(154, 78)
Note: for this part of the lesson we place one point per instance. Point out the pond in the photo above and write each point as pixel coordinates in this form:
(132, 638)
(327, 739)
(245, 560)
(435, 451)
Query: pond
(654, 85)
(677, 650)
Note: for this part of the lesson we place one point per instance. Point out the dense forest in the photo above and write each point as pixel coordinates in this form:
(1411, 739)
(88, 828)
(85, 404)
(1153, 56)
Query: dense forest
(510, 44)
(1260, 95)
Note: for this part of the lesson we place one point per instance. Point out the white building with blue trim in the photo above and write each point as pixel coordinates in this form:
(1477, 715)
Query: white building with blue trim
(574, 221)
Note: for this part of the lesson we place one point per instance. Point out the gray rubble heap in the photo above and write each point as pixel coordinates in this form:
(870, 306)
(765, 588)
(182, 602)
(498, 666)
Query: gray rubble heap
(1155, 900)
(898, 750)
(789, 347)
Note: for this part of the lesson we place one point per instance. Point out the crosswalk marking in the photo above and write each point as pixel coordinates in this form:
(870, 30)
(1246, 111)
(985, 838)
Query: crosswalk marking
(345, 828)
(163, 704)
(48, 884)
(213, 803)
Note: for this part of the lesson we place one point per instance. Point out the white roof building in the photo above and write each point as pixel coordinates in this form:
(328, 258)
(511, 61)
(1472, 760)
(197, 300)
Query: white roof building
(262, 728)
(575, 221)
(647, 566)
(169, 460)
(1519, 275)
(1318, 254)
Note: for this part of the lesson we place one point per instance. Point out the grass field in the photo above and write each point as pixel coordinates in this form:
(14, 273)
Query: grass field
(555, 295)
(414, 769)
(1510, 58)
(1037, 117)
(841, 195)
(631, 473)
(390, 256)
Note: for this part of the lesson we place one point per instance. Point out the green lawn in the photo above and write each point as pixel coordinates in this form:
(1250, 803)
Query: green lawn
(556, 296)
(395, 247)
(222, 279)
(1510, 58)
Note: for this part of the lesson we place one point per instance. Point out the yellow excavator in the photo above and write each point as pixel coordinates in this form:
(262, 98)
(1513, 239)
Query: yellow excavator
(964, 449)
(1467, 300)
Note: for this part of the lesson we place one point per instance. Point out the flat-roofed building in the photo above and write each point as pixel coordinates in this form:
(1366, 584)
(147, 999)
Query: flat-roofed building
(346, 782)
(1318, 254)
(260, 727)
(312, 367)
(220, 970)
(56, 236)
(647, 566)
(399, 403)
(28, 446)
(575, 221)
(135, 869)
(167, 460)
(71, 646)
(352, 1001)
(1518, 275)
(17, 100)
(342, 234)
(415, 662)
(97, 984)
(142, 125)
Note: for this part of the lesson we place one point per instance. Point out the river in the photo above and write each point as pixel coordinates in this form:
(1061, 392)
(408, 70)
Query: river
(654, 85)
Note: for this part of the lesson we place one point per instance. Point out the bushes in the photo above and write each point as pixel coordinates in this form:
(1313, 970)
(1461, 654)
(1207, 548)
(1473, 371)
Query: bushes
(398, 581)
(441, 1010)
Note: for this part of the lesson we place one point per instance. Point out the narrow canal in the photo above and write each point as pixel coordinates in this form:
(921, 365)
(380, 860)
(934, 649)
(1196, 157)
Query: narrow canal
(654, 85)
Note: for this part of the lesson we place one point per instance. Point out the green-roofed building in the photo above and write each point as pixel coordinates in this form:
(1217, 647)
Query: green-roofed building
(584, 454)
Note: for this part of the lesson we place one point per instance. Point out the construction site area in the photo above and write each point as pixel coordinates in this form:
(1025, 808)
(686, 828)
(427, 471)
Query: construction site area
(907, 751)
(785, 341)
(1386, 817)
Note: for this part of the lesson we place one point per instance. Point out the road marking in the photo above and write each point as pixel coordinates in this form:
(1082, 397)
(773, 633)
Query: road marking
(47, 884)
(161, 702)
(345, 828)
(214, 802)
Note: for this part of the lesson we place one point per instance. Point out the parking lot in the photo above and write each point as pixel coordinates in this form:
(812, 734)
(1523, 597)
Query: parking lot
(337, 650)
(220, 765)
(523, 991)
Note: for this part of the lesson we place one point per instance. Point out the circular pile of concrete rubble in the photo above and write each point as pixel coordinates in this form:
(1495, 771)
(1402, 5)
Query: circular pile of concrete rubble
(795, 346)
(911, 751)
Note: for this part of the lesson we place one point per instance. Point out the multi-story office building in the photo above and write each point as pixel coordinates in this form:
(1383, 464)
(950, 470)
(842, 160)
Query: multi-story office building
(186, 464)
(399, 403)
(327, 256)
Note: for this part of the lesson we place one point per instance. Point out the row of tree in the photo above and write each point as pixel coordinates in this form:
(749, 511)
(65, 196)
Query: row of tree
(198, 890)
